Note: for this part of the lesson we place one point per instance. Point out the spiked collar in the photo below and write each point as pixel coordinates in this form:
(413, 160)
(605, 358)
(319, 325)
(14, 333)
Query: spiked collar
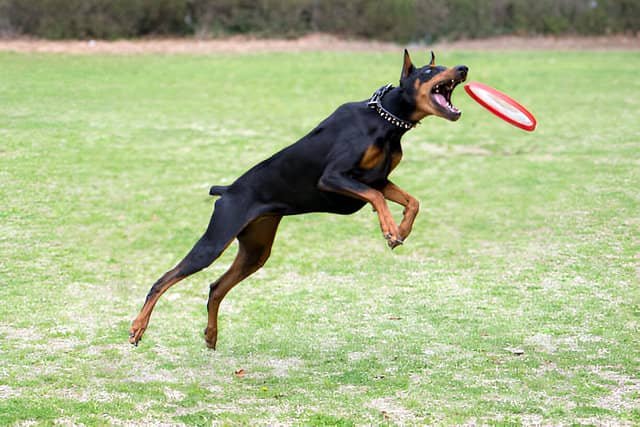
(375, 102)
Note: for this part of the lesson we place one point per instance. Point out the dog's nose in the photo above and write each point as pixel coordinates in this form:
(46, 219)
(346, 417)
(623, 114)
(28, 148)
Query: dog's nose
(462, 71)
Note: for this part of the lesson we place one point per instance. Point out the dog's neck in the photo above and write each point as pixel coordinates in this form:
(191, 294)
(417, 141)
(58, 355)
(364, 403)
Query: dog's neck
(396, 102)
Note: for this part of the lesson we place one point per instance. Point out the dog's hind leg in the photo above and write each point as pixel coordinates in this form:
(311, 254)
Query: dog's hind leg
(226, 222)
(255, 247)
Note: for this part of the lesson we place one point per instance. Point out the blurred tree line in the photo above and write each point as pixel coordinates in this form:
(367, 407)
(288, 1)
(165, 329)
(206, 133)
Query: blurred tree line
(398, 20)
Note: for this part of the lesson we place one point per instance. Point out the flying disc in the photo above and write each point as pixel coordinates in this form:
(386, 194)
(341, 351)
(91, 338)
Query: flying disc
(502, 105)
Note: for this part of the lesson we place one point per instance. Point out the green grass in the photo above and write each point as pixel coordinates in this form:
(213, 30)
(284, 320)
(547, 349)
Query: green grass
(524, 241)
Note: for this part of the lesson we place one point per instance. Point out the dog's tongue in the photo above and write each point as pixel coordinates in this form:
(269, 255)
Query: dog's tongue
(440, 99)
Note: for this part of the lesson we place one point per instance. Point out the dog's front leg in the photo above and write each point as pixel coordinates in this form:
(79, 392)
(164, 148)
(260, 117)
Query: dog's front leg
(411, 206)
(339, 183)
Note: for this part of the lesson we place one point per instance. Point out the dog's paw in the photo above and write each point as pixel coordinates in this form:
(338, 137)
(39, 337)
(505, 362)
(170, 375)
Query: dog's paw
(393, 241)
(136, 332)
(211, 337)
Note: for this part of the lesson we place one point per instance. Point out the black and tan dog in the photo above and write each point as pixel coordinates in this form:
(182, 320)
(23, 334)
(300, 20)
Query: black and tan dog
(338, 167)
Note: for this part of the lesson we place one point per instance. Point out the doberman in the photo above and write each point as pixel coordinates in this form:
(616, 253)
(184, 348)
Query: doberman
(338, 167)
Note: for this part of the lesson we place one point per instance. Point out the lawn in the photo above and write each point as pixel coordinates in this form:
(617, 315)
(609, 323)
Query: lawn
(515, 300)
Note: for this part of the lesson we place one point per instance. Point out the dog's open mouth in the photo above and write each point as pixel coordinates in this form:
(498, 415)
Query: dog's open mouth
(441, 96)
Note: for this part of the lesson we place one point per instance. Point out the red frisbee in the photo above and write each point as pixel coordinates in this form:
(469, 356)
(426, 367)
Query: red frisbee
(502, 105)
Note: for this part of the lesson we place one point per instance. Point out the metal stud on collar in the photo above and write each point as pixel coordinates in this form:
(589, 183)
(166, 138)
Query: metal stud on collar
(375, 103)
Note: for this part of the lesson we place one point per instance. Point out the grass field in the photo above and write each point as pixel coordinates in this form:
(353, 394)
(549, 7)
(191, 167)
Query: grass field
(515, 300)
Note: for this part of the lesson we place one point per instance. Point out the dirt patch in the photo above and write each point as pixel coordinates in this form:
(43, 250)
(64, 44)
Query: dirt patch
(443, 150)
(7, 392)
(316, 42)
(623, 390)
(173, 395)
(281, 367)
(391, 411)
(312, 42)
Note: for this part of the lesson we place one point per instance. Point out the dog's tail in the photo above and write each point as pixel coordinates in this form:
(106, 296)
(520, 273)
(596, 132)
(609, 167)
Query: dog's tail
(218, 190)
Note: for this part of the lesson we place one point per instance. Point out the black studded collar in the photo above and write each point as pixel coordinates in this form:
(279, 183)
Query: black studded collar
(375, 102)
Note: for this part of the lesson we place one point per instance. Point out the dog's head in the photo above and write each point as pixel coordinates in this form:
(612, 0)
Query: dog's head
(430, 87)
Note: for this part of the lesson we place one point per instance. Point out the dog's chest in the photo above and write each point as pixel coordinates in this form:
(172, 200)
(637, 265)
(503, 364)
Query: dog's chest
(378, 160)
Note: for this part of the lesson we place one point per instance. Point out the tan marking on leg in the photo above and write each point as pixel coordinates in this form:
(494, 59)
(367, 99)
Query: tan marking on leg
(254, 250)
(396, 194)
(387, 224)
(139, 325)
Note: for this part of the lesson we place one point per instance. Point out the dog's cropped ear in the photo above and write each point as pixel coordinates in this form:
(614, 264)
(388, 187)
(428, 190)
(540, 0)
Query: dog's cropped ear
(432, 63)
(407, 66)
